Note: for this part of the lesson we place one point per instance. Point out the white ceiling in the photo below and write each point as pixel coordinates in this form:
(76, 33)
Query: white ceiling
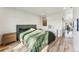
(41, 10)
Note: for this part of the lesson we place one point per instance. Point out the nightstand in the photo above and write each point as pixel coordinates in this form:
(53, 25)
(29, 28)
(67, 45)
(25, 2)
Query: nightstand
(8, 38)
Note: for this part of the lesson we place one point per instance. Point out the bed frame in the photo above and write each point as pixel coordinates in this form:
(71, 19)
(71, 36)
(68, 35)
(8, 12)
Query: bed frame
(21, 28)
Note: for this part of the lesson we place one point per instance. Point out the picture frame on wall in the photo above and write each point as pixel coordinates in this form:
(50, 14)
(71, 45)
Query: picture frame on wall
(44, 22)
(77, 24)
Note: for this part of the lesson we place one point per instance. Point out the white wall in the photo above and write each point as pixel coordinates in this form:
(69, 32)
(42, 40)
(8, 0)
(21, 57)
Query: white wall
(75, 32)
(56, 21)
(10, 17)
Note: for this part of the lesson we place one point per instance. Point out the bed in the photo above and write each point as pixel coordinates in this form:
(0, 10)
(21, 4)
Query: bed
(33, 39)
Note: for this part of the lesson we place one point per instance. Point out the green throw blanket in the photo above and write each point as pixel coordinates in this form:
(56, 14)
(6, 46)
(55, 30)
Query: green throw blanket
(34, 40)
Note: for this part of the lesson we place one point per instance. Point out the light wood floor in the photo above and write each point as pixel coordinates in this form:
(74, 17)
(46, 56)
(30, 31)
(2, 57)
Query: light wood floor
(59, 45)
(8, 47)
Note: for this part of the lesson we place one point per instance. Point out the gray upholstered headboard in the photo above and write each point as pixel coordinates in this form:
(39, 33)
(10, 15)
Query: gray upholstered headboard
(21, 28)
